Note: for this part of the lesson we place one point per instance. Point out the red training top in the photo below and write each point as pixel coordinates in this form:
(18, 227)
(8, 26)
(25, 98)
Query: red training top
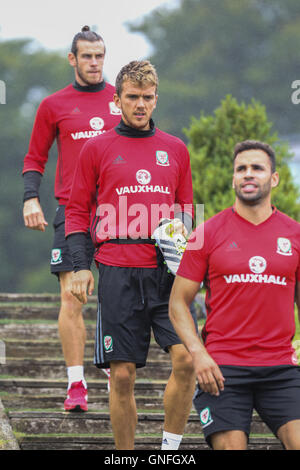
(250, 273)
(136, 179)
(71, 116)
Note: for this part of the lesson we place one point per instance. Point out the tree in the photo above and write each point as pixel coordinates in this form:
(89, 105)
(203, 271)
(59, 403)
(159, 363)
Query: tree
(211, 140)
(206, 49)
(29, 74)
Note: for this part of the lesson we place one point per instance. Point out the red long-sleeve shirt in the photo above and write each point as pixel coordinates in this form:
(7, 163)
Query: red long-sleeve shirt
(136, 181)
(71, 116)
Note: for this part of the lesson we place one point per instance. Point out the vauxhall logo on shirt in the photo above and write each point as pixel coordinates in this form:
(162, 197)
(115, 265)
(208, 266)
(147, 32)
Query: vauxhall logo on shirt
(144, 178)
(257, 266)
(96, 123)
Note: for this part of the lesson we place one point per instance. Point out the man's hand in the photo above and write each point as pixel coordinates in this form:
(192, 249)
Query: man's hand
(207, 371)
(209, 375)
(177, 226)
(33, 215)
(81, 284)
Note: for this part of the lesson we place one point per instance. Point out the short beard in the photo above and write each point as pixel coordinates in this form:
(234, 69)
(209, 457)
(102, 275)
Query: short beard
(262, 194)
(84, 79)
(134, 126)
(249, 202)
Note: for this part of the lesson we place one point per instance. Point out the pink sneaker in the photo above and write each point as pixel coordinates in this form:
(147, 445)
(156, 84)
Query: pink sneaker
(77, 398)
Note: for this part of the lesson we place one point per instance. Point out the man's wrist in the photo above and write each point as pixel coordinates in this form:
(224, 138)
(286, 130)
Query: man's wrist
(32, 181)
(77, 247)
(196, 348)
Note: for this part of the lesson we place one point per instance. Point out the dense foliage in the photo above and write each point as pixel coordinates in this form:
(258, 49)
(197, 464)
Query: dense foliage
(206, 49)
(211, 142)
(29, 74)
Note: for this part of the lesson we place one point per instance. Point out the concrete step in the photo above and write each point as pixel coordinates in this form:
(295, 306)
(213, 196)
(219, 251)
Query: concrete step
(56, 401)
(7, 297)
(28, 386)
(102, 443)
(45, 422)
(33, 386)
(152, 443)
(36, 422)
(37, 395)
(44, 298)
(28, 395)
(37, 329)
(40, 311)
(56, 368)
(45, 348)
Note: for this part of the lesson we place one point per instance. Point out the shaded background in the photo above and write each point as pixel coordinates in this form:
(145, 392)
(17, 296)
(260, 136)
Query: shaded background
(203, 50)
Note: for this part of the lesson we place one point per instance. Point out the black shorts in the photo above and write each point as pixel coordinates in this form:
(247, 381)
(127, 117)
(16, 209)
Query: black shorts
(60, 256)
(131, 302)
(274, 392)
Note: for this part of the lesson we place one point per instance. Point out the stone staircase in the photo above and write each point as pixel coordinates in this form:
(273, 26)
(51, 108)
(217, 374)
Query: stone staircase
(33, 388)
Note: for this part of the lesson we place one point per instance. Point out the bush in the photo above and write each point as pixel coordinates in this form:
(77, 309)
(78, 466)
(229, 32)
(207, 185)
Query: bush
(211, 142)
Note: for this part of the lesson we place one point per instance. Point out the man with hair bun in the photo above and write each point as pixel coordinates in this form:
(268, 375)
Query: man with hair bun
(72, 116)
(138, 174)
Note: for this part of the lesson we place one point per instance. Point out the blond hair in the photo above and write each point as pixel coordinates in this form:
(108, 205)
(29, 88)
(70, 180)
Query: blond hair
(142, 73)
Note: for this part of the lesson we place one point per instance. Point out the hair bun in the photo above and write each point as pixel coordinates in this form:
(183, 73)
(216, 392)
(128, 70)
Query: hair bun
(85, 28)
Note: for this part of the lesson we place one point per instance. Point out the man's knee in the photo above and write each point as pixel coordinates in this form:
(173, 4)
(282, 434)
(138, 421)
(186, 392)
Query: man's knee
(69, 304)
(182, 363)
(229, 440)
(122, 377)
(289, 434)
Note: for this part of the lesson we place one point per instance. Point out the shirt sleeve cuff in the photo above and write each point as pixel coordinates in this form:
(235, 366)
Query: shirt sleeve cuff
(77, 247)
(32, 181)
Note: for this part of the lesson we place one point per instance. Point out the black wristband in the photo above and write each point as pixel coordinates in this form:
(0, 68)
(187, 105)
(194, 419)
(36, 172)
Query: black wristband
(32, 181)
(77, 247)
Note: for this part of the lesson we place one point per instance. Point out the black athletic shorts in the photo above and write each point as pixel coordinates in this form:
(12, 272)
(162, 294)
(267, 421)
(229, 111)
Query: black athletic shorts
(131, 302)
(60, 256)
(274, 392)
